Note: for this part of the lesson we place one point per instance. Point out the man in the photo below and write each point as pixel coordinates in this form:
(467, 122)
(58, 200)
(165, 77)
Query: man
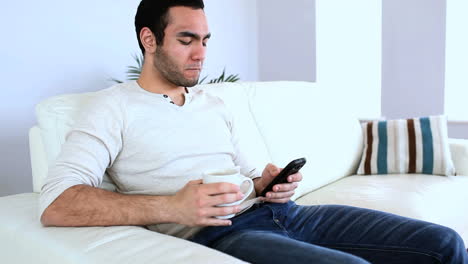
(155, 138)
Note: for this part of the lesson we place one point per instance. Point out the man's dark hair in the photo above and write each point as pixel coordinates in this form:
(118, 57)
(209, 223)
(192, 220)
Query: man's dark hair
(154, 14)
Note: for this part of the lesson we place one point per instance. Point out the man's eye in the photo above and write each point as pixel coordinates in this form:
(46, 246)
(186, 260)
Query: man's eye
(185, 42)
(204, 44)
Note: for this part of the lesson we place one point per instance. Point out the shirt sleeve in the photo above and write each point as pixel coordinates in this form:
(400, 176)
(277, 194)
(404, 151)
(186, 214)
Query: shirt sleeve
(241, 158)
(90, 147)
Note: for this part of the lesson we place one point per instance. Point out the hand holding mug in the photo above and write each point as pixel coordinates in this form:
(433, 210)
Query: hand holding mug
(198, 204)
(232, 176)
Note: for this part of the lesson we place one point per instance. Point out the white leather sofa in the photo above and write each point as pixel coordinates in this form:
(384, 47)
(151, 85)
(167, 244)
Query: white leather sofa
(279, 121)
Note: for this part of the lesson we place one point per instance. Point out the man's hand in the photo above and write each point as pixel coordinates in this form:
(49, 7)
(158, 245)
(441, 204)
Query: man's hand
(195, 204)
(281, 193)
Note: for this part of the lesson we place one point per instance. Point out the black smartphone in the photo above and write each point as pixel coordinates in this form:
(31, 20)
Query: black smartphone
(293, 167)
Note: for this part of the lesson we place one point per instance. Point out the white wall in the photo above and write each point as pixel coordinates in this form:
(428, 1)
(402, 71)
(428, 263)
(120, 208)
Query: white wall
(413, 58)
(54, 47)
(233, 45)
(286, 39)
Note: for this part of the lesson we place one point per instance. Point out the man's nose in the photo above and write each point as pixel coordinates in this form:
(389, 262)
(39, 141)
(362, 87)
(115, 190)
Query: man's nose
(199, 52)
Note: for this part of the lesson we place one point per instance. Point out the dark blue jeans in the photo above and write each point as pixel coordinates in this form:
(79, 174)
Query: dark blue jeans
(289, 233)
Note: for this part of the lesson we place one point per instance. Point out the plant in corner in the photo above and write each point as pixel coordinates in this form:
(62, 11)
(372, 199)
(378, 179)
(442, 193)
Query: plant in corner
(133, 73)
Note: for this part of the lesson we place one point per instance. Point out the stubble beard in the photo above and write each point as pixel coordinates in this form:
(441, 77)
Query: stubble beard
(168, 69)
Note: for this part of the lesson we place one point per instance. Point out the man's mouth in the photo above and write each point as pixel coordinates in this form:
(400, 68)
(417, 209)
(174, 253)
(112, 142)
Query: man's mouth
(193, 67)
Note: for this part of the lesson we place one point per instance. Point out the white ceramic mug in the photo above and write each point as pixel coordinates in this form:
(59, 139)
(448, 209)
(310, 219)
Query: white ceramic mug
(231, 175)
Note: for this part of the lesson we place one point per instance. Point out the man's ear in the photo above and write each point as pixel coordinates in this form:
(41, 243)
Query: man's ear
(148, 40)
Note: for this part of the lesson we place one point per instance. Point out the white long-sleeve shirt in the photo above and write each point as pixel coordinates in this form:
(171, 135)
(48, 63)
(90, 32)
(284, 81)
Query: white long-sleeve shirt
(147, 145)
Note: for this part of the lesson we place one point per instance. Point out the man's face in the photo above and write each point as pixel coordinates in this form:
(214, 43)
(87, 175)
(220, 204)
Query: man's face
(180, 58)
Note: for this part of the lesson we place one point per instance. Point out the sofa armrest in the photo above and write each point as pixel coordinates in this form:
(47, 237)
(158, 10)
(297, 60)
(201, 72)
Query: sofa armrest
(24, 240)
(38, 158)
(459, 150)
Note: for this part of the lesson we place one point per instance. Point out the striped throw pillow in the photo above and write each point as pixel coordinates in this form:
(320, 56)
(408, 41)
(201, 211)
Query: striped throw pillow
(417, 145)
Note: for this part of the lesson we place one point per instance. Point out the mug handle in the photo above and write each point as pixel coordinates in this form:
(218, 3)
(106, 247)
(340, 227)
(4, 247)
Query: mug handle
(251, 187)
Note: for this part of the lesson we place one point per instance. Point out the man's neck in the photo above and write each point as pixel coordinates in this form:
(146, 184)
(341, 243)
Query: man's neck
(153, 82)
(156, 84)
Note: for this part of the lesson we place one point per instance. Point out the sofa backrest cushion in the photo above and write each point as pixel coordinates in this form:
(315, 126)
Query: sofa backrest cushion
(277, 121)
(55, 117)
(299, 119)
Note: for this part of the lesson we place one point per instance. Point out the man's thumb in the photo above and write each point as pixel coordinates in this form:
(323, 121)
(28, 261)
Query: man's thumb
(273, 169)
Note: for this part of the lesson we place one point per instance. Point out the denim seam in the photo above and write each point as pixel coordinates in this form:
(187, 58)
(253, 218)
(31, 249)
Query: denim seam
(405, 250)
(274, 217)
(282, 228)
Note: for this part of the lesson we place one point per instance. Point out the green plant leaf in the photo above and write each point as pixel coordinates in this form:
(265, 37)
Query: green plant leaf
(232, 78)
(134, 68)
(115, 80)
(202, 80)
(131, 77)
(221, 78)
(134, 71)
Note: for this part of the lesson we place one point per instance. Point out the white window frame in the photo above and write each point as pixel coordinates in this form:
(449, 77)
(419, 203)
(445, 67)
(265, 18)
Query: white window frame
(349, 53)
(456, 61)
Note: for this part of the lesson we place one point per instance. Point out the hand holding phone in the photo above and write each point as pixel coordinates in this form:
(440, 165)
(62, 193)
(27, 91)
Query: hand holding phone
(293, 167)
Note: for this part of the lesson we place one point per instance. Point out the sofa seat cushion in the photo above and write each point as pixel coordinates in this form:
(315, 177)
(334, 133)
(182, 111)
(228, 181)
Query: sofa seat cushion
(438, 199)
(24, 240)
